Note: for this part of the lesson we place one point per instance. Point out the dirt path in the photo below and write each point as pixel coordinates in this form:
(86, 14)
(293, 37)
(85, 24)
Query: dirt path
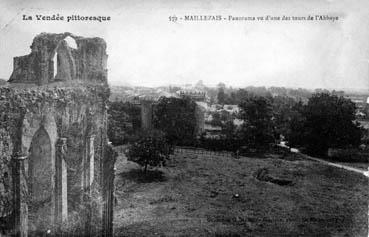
(360, 171)
(346, 167)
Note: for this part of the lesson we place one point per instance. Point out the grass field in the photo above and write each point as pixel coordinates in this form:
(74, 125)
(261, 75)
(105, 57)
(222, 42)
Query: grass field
(201, 195)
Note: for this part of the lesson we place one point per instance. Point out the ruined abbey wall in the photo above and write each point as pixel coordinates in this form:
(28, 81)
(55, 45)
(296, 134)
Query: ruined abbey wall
(56, 164)
(87, 62)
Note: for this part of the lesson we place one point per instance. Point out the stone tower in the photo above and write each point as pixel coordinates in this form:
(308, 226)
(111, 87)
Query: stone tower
(56, 164)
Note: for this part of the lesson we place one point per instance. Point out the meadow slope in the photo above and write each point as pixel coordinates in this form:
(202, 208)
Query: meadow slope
(203, 195)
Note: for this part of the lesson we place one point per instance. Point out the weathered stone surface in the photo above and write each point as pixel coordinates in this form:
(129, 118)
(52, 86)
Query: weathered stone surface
(72, 106)
(86, 63)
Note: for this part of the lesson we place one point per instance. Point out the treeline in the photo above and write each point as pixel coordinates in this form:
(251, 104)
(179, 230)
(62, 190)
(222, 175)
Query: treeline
(228, 95)
(223, 94)
(325, 121)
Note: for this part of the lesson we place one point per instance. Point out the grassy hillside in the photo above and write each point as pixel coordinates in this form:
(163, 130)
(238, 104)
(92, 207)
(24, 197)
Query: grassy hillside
(200, 195)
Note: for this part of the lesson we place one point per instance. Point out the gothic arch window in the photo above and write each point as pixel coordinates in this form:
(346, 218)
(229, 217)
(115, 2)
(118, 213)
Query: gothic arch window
(41, 182)
(64, 68)
(71, 42)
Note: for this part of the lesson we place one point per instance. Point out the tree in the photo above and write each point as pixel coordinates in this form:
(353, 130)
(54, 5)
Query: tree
(295, 129)
(176, 118)
(151, 149)
(238, 96)
(283, 113)
(329, 123)
(123, 120)
(225, 116)
(216, 121)
(221, 95)
(257, 129)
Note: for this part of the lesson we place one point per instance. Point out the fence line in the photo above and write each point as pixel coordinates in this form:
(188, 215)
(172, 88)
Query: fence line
(200, 151)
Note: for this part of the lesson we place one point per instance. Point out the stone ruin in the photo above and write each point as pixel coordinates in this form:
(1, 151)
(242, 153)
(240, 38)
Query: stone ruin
(56, 164)
(52, 60)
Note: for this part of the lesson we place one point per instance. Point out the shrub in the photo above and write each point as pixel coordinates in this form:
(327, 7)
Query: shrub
(151, 149)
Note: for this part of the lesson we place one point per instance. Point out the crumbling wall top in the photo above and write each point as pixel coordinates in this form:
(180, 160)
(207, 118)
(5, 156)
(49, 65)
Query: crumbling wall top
(52, 59)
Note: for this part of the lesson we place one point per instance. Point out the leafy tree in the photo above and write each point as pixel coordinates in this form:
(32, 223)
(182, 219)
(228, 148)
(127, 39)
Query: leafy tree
(229, 130)
(221, 95)
(329, 122)
(238, 96)
(283, 112)
(123, 121)
(295, 130)
(216, 119)
(176, 118)
(219, 118)
(232, 137)
(232, 98)
(257, 129)
(225, 116)
(151, 149)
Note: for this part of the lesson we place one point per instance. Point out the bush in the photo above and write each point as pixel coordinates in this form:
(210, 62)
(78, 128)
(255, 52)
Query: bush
(151, 149)
(176, 118)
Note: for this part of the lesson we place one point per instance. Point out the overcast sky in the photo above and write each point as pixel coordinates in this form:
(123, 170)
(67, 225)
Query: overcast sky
(145, 48)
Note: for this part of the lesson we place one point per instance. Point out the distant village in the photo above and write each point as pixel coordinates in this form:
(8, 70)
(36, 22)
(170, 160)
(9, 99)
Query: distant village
(215, 110)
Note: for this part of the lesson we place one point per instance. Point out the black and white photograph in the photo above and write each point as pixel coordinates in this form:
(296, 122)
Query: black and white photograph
(170, 118)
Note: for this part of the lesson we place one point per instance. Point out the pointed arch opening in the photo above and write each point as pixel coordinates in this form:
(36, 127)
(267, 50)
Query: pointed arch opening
(41, 182)
(71, 42)
(64, 68)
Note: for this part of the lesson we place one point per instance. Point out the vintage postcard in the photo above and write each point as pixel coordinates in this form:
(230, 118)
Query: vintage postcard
(184, 118)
